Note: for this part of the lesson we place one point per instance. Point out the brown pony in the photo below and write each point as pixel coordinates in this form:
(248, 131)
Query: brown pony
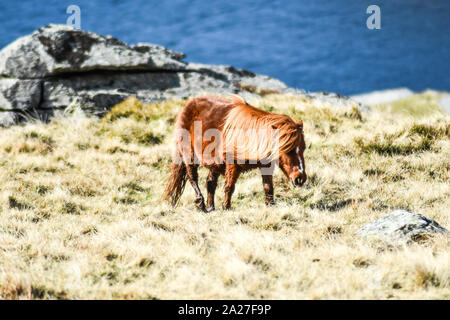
(229, 137)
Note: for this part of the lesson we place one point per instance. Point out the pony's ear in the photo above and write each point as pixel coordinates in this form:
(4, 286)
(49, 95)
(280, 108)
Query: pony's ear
(300, 124)
(238, 99)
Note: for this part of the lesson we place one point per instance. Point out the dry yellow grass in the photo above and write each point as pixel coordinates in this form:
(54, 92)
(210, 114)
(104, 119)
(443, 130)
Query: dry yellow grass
(80, 215)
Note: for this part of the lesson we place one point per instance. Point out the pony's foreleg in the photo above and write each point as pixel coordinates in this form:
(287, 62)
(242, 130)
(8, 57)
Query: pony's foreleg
(267, 181)
(232, 173)
(211, 185)
(192, 174)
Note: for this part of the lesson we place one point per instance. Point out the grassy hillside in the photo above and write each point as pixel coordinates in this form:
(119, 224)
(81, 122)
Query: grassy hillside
(419, 105)
(80, 215)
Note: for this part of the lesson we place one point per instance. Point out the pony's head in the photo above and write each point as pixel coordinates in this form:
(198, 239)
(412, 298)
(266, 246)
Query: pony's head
(292, 163)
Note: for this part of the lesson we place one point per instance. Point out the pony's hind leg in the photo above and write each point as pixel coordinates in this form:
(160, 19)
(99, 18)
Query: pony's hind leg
(192, 174)
(211, 185)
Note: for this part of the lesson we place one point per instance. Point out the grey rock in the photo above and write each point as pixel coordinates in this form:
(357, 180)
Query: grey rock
(102, 90)
(8, 118)
(59, 49)
(241, 79)
(401, 226)
(158, 50)
(18, 94)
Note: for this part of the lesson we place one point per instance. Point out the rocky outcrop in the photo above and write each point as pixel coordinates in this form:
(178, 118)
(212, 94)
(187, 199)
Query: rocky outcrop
(58, 66)
(401, 226)
(60, 49)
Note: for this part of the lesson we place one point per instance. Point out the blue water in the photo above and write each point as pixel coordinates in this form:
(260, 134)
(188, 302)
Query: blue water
(316, 45)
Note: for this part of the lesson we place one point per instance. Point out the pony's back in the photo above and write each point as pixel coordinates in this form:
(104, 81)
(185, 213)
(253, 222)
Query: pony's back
(255, 134)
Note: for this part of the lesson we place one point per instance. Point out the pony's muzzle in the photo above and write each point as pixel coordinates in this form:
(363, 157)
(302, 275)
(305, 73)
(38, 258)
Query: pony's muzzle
(299, 181)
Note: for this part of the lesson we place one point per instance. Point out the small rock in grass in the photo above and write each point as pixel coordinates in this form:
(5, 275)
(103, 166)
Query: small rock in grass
(401, 226)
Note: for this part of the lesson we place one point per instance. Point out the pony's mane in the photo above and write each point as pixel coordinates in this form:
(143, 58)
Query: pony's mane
(253, 132)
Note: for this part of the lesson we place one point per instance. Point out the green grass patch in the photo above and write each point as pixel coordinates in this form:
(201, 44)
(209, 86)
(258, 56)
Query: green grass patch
(418, 105)
(137, 110)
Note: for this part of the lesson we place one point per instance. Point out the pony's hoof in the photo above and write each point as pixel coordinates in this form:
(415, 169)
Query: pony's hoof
(209, 209)
(201, 207)
(200, 204)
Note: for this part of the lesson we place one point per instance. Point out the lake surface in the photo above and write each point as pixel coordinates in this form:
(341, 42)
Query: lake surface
(316, 45)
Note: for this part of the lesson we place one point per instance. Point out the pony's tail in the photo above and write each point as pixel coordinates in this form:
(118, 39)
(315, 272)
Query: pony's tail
(177, 182)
